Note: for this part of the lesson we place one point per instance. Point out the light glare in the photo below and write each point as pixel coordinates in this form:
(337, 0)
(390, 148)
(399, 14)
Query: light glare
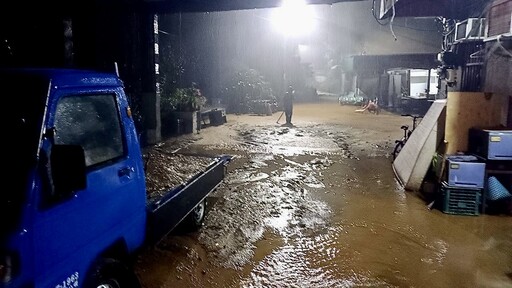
(293, 18)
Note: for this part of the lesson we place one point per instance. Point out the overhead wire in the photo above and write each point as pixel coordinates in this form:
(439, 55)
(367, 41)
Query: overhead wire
(390, 22)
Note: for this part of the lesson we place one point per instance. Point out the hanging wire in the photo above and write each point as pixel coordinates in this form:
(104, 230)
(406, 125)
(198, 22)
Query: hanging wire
(448, 28)
(392, 19)
(390, 22)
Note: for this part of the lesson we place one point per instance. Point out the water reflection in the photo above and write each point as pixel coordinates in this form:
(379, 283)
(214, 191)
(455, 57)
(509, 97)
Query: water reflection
(330, 219)
(312, 261)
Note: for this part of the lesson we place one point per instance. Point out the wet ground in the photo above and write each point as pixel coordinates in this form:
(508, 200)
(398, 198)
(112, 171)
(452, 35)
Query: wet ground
(317, 205)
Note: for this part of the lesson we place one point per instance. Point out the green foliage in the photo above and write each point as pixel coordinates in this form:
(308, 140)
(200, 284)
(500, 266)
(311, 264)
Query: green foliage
(182, 99)
(245, 87)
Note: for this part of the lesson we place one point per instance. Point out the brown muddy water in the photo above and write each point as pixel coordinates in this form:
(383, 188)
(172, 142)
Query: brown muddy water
(317, 205)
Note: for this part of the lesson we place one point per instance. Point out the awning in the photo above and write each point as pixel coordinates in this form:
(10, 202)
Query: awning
(60, 7)
(380, 63)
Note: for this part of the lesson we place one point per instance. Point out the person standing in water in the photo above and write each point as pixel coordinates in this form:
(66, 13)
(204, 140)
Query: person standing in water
(288, 105)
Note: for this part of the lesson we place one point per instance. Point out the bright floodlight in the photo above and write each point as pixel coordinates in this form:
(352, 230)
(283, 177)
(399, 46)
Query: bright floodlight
(293, 18)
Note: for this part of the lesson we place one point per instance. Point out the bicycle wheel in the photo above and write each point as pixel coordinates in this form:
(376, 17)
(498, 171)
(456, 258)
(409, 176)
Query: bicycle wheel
(398, 148)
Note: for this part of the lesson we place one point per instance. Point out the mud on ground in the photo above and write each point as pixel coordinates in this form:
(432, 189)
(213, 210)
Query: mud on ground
(165, 168)
(317, 205)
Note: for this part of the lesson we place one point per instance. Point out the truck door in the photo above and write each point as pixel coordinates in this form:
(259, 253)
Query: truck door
(70, 232)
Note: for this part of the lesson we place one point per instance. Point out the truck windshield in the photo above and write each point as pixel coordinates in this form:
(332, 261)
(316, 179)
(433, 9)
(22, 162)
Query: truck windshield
(23, 101)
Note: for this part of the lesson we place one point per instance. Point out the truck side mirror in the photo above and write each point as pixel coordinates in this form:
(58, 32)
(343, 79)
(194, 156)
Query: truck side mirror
(68, 169)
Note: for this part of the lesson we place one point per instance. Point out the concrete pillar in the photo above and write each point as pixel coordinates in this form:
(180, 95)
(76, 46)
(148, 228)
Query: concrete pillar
(150, 89)
(68, 42)
(354, 84)
(342, 90)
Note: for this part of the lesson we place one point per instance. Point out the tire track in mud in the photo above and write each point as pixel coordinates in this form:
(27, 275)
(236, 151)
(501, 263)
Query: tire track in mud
(274, 199)
(269, 192)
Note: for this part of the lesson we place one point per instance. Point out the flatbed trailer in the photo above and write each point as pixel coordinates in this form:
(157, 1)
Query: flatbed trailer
(166, 212)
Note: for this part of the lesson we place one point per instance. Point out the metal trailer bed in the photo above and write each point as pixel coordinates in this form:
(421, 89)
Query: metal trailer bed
(165, 213)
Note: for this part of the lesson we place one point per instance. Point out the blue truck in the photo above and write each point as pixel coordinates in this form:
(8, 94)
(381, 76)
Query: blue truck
(75, 209)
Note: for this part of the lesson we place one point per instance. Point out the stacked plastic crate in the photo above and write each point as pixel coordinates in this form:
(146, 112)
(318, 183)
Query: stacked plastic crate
(495, 147)
(463, 188)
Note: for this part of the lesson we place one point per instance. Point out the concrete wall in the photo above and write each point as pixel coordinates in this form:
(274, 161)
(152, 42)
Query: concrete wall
(465, 110)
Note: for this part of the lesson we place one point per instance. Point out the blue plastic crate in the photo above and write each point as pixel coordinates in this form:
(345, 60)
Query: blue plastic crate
(465, 171)
(460, 200)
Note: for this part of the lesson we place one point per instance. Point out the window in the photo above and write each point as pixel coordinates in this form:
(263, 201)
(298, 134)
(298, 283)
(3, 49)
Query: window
(91, 121)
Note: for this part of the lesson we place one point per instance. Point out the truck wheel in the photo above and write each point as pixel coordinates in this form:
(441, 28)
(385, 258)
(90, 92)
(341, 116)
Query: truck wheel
(195, 218)
(111, 273)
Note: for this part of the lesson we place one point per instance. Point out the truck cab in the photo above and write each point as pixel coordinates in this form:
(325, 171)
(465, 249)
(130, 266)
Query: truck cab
(74, 198)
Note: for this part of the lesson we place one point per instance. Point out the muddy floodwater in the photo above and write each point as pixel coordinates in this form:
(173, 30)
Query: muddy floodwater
(317, 205)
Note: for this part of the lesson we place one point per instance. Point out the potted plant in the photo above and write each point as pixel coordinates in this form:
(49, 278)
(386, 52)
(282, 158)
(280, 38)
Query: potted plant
(185, 104)
(187, 99)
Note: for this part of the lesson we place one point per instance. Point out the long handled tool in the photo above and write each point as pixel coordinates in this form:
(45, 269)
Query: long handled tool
(280, 117)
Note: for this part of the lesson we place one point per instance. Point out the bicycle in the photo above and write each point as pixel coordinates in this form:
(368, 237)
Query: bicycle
(399, 144)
